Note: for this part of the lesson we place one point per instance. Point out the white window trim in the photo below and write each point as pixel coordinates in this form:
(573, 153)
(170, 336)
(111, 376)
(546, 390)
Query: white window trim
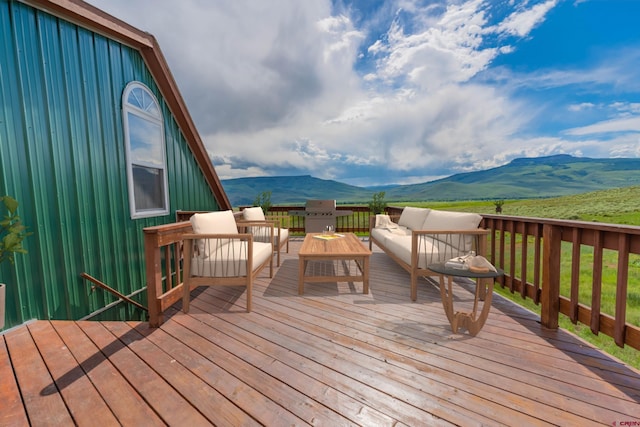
(156, 120)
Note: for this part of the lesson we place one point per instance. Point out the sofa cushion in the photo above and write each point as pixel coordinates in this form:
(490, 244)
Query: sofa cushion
(382, 234)
(230, 260)
(222, 222)
(447, 220)
(413, 218)
(430, 250)
(263, 234)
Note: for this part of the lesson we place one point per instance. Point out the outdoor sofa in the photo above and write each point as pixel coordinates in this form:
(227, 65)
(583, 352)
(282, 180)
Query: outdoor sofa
(420, 237)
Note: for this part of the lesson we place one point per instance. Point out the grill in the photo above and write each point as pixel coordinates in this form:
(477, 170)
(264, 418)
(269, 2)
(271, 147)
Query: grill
(318, 214)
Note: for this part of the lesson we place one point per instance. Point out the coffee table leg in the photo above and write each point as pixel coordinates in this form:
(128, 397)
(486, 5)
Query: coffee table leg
(301, 266)
(471, 321)
(475, 324)
(365, 275)
(447, 301)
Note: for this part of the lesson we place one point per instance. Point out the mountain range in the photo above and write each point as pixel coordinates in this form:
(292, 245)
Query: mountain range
(522, 178)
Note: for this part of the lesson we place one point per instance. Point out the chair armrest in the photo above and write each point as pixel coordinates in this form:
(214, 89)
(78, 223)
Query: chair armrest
(473, 232)
(250, 226)
(235, 236)
(466, 241)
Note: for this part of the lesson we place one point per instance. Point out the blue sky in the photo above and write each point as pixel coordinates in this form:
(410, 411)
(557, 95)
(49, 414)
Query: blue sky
(399, 91)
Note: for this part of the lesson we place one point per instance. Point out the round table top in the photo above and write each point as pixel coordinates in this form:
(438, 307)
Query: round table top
(441, 269)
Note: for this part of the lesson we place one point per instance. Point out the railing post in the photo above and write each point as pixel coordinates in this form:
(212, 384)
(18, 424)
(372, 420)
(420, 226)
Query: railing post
(550, 298)
(154, 277)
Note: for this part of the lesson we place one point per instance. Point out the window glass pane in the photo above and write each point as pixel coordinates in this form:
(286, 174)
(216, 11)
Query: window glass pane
(145, 139)
(148, 184)
(134, 98)
(145, 149)
(140, 99)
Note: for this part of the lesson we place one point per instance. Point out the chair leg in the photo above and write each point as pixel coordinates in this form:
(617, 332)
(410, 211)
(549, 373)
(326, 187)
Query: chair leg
(414, 286)
(186, 295)
(249, 293)
(186, 283)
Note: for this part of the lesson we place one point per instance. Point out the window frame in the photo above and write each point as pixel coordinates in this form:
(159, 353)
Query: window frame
(149, 112)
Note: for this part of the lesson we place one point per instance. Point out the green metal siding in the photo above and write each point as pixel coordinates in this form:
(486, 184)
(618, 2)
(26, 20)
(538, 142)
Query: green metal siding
(62, 156)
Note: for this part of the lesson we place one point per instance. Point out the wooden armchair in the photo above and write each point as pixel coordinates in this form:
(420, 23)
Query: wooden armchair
(216, 254)
(261, 233)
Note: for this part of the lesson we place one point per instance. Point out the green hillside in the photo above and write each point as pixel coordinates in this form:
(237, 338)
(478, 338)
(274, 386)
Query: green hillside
(291, 190)
(614, 206)
(527, 178)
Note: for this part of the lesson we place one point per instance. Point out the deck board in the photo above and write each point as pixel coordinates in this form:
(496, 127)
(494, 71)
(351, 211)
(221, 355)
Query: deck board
(71, 382)
(12, 412)
(333, 356)
(125, 402)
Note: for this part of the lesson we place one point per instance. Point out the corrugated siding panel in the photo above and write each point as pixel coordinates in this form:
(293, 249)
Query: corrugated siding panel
(62, 155)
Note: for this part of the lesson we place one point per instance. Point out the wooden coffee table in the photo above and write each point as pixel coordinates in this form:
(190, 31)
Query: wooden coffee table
(346, 248)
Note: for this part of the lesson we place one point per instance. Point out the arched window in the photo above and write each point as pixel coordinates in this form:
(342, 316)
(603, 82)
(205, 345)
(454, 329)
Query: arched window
(146, 153)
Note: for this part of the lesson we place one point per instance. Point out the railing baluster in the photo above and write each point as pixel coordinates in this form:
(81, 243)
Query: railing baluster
(501, 250)
(576, 239)
(512, 255)
(621, 289)
(537, 263)
(523, 261)
(596, 291)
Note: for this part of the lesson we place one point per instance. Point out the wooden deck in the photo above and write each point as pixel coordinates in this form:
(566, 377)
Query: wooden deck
(332, 356)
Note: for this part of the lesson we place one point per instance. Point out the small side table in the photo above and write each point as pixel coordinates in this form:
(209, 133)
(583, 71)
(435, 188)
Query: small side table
(472, 321)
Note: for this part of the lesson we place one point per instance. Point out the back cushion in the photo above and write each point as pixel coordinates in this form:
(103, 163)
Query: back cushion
(446, 220)
(253, 214)
(221, 222)
(413, 218)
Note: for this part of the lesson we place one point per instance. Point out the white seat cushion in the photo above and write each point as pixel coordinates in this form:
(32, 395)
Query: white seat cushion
(222, 222)
(284, 235)
(230, 260)
(263, 234)
(382, 234)
(430, 250)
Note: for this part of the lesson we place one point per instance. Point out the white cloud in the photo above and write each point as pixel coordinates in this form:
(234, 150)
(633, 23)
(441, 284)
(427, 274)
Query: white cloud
(522, 22)
(275, 86)
(582, 106)
(630, 124)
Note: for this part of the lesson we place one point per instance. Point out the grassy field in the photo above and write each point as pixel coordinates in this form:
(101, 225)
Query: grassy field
(618, 206)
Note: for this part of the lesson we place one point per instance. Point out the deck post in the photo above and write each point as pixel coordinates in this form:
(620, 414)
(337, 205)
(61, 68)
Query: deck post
(154, 277)
(550, 298)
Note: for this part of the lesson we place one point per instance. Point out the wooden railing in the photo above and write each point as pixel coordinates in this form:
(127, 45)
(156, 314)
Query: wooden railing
(542, 260)
(163, 256)
(546, 259)
(356, 223)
